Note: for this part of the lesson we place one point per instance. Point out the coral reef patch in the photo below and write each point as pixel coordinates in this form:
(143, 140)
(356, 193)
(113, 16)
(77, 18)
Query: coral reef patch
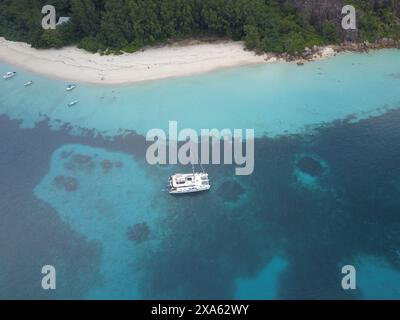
(69, 184)
(139, 232)
(310, 166)
(80, 162)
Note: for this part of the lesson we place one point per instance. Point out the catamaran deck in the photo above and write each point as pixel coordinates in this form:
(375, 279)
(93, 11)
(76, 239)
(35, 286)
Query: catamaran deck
(189, 183)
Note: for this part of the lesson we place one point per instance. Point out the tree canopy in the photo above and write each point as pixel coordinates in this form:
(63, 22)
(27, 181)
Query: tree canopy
(127, 25)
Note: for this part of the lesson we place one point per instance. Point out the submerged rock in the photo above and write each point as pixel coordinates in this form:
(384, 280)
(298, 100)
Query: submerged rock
(81, 159)
(395, 76)
(119, 164)
(139, 232)
(310, 166)
(106, 165)
(80, 162)
(67, 183)
(230, 191)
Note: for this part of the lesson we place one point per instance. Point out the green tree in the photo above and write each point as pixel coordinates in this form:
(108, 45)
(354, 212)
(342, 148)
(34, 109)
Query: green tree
(265, 25)
(329, 32)
(252, 37)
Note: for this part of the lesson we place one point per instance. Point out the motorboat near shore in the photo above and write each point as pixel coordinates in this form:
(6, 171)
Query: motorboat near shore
(189, 183)
(73, 103)
(9, 75)
(71, 87)
(28, 84)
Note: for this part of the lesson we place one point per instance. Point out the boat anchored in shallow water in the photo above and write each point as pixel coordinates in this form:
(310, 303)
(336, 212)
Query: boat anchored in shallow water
(9, 75)
(189, 183)
(71, 87)
(73, 103)
(29, 83)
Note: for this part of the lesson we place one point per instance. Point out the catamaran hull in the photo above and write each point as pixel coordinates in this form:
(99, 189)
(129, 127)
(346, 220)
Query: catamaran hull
(188, 191)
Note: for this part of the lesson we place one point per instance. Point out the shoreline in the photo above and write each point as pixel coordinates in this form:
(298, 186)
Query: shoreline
(150, 64)
(179, 59)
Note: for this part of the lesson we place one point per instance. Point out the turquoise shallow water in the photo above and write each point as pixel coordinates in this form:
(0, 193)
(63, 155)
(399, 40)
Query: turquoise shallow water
(278, 98)
(376, 278)
(107, 202)
(93, 208)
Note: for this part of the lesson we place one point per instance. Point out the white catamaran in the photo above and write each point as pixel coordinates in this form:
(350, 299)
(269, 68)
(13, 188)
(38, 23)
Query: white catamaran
(189, 183)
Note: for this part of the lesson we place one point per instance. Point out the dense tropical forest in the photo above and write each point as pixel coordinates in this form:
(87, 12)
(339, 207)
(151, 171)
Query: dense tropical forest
(127, 25)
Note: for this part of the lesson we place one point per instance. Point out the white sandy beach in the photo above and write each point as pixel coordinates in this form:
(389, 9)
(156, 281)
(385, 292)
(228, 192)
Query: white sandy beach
(151, 64)
(177, 60)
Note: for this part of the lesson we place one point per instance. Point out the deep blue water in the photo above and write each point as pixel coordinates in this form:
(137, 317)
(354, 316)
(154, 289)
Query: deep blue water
(321, 197)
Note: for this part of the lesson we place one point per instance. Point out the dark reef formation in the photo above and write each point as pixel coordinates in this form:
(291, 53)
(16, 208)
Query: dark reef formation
(106, 165)
(80, 162)
(139, 233)
(310, 166)
(119, 164)
(67, 183)
(395, 76)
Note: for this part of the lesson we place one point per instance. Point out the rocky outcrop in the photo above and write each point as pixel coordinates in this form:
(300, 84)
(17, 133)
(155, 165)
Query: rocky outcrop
(317, 52)
(319, 11)
(367, 46)
(331, 9)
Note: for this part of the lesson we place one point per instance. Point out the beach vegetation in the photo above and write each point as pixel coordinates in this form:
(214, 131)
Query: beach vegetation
(116, 26)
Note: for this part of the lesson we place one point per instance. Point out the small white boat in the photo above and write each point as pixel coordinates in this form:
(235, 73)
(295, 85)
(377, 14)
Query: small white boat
(9, 75)
(189, 183)
(73, 103)
(71, 87)
(29, 83)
